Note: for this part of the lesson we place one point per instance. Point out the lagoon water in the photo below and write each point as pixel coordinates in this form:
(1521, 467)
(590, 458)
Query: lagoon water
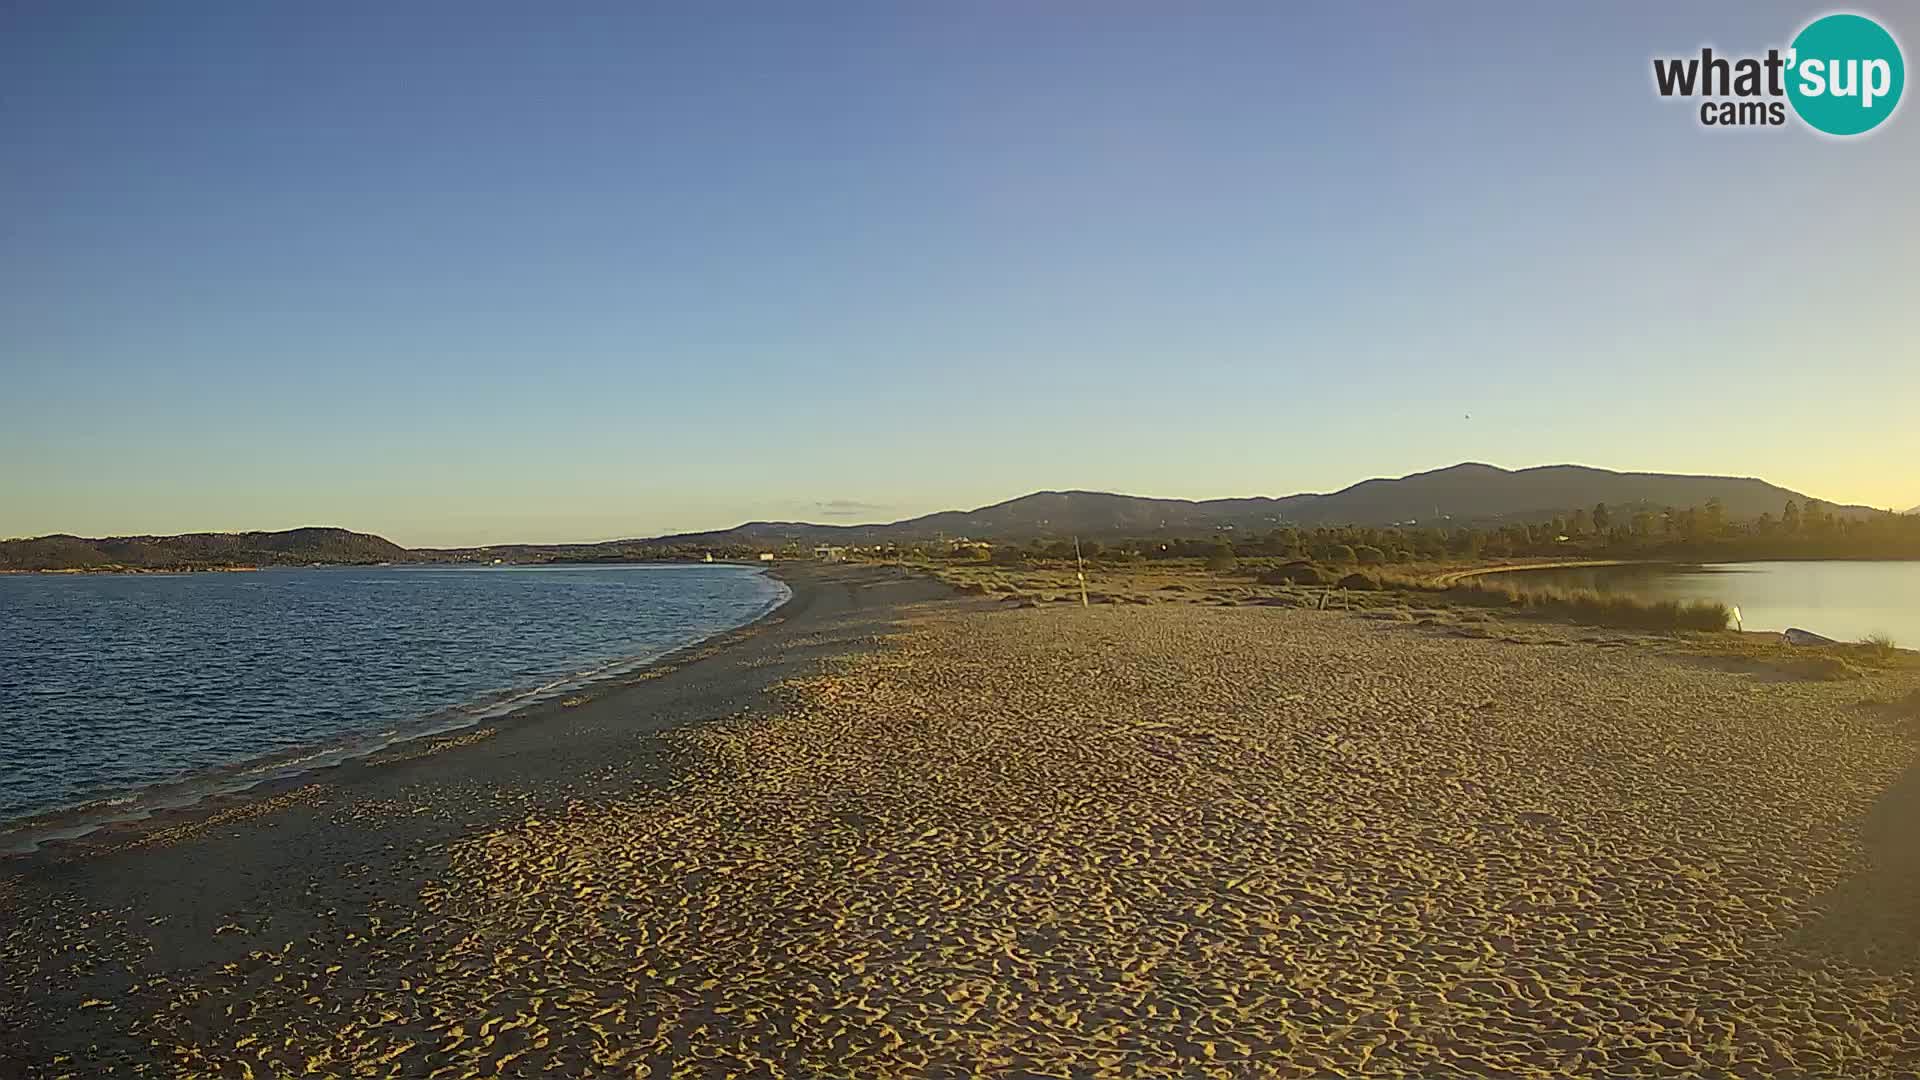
(127, 692)
(1846, 601)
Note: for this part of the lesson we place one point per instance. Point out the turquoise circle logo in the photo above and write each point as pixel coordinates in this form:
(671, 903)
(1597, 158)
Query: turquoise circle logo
(1845, 74)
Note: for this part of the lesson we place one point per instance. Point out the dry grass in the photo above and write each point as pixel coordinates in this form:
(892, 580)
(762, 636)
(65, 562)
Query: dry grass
(1291, 586)
(1880, 645)
(1599, 608)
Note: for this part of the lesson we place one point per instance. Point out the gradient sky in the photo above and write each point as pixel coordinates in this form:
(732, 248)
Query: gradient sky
(462, 273)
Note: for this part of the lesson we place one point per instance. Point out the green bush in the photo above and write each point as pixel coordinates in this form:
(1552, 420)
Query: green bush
(1368, 555)
(1221, 559)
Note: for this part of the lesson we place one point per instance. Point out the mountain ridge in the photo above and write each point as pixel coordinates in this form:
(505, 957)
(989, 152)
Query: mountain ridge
(1469, 493)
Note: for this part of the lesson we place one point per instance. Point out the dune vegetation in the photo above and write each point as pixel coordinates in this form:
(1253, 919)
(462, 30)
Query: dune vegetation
(1301, 583)
(1595, 608)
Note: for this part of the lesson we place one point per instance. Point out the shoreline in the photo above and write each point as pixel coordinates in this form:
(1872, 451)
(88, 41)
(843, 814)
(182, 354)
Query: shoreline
(167, 815)
(455, 564)
(1015, 840)
(170, 802)
(1453, 577)
(1448, 579)
(289, 856)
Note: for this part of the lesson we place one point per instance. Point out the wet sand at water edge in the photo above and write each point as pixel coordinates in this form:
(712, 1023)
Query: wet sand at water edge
(887, 834)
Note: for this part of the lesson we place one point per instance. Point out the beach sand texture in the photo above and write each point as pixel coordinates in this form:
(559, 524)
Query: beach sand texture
(1152, 841)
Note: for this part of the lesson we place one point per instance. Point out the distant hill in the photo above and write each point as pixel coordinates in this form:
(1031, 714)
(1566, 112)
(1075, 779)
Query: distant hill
(289, 547)
(1473, 492)
(1459, 494)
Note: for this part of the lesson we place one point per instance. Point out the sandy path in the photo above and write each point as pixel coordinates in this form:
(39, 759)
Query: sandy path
(1157, 841)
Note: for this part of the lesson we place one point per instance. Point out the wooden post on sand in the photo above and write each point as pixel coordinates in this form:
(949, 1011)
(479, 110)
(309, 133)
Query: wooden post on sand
(1080, 571)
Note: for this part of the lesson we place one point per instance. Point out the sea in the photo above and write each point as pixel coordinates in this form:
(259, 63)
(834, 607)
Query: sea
(125, 694)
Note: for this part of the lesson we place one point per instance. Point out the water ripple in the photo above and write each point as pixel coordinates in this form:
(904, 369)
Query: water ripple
(111, 684)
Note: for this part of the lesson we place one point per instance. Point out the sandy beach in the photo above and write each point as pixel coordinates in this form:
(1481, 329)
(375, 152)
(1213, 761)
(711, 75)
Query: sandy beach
(889, 832)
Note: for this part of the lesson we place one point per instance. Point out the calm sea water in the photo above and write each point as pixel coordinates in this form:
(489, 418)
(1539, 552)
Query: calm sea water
(1842, 600)
(132, 691)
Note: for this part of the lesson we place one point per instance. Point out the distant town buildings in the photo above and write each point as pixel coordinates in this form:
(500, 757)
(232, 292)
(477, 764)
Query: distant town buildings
(964, 548)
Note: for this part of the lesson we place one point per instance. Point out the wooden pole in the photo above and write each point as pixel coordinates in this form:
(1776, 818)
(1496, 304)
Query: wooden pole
(1080, 572)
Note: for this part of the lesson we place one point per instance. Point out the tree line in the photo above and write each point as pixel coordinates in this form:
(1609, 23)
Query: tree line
(1703, 533)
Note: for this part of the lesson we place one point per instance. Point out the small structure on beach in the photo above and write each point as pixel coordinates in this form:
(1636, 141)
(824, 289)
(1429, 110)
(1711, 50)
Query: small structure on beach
(766, 556)
(830, 553)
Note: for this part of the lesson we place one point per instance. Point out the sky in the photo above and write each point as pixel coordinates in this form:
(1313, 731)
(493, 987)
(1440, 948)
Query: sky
(472, 273)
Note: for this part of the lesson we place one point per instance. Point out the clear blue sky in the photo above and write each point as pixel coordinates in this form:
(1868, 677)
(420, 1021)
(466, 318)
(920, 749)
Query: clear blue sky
(475, 272)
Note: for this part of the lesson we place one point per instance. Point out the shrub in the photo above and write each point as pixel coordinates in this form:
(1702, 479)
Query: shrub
(1359, 581)
(1600, 609)
(1296, 573)
(1340, 553)
(1368, 555)
(1221, 559)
